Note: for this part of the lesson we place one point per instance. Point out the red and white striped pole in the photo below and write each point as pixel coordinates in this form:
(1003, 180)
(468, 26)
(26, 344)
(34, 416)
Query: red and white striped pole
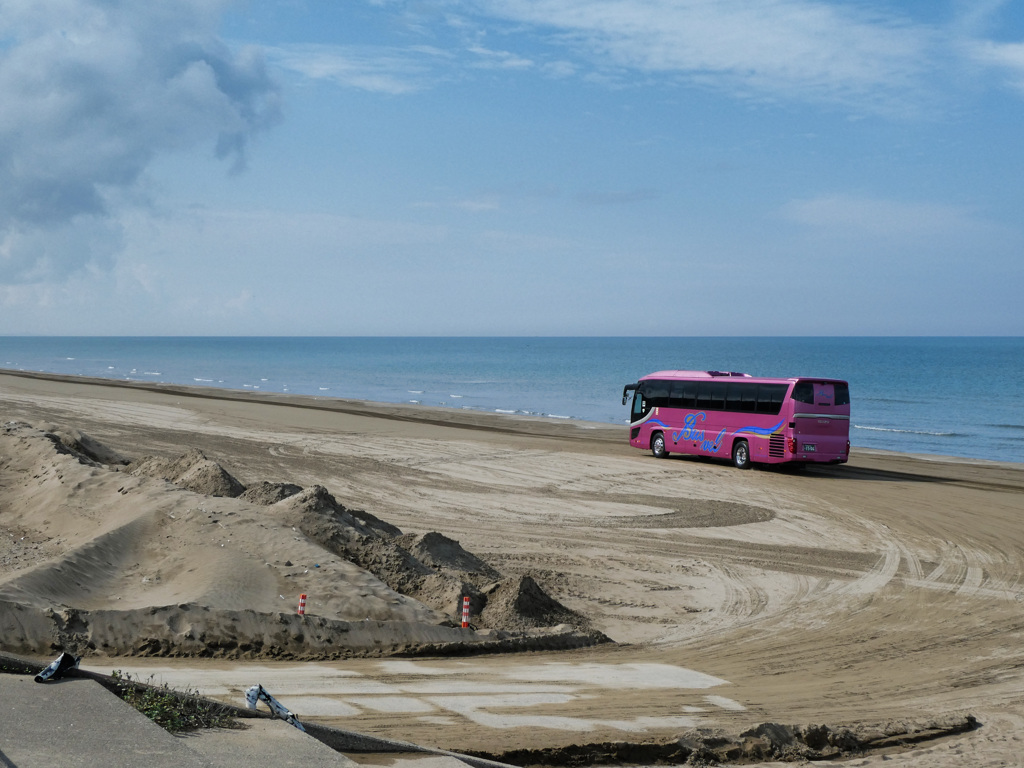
(465, 611)
(302, 605)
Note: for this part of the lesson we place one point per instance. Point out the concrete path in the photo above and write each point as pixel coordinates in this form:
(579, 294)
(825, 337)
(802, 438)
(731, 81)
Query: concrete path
(77, 723)
(263, 743)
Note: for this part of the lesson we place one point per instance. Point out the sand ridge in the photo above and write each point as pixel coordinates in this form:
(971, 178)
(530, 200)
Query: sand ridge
(159, 558)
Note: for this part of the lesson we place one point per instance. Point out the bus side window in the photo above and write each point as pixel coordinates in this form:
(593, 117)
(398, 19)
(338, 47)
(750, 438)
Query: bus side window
(803, 392)
(684, 394)
(748, 398)
(703, 396)
(734, 397)
(718, 395)
(770, 397)
(657, 393)
(675, 395)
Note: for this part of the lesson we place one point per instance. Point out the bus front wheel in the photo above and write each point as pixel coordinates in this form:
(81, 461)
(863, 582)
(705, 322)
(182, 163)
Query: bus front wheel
(658, 446)
(741, 454)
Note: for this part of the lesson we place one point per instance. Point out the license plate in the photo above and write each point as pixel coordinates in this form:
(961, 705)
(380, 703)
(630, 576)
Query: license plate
(810, 447)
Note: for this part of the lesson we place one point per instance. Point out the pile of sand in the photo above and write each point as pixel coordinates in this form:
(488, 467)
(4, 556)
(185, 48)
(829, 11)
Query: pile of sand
(84, 446)
(444, 554)
(520, 603)
(191, 470)
(430, 567)
(265, 494)
(100, 555)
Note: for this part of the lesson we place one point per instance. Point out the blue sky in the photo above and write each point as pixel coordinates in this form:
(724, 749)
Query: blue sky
(545, 167)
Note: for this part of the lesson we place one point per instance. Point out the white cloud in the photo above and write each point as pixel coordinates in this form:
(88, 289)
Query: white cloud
(618, 197)
(559, 69)
(1005, 57)
(387, 69)
(804, 50)
(91, 93)
(874, 57)
(472, 205)
(367, 68)
(792, 48)
(33, 254)
(499, 59)
(891, 219)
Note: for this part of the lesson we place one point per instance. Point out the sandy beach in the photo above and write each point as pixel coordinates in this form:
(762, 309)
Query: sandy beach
(617, 599)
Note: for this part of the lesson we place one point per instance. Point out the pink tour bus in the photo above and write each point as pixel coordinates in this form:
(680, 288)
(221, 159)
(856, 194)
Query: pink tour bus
(734, 415)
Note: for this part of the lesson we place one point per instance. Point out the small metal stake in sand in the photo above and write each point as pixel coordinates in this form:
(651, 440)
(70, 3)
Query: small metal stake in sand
(465, 611)
(302, 605)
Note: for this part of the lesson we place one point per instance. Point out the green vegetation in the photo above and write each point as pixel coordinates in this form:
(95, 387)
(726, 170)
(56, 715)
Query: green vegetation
(170, 709)
(12, 666)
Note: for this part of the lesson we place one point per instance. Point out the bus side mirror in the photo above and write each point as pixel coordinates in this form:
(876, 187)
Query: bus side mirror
(627, 389)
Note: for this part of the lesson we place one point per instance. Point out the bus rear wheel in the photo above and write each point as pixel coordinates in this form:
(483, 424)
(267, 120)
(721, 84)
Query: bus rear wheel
(741, 454)
(658, 446)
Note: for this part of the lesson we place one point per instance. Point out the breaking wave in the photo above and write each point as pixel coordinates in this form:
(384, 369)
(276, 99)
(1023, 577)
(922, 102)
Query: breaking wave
(909, 431)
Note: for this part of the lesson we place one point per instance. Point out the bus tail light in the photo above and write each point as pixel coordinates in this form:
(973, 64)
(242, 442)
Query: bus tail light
(792, 445)
(847, 447)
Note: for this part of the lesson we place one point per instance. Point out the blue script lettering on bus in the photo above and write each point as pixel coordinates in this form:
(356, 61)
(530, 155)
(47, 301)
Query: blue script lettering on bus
(690, 432)
(713, 447)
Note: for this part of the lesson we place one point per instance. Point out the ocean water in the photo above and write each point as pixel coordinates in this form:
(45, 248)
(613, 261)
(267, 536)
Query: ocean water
(958, 396)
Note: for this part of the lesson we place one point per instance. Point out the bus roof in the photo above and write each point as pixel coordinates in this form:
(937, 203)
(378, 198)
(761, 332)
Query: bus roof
(683, 375)
(695, 375)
